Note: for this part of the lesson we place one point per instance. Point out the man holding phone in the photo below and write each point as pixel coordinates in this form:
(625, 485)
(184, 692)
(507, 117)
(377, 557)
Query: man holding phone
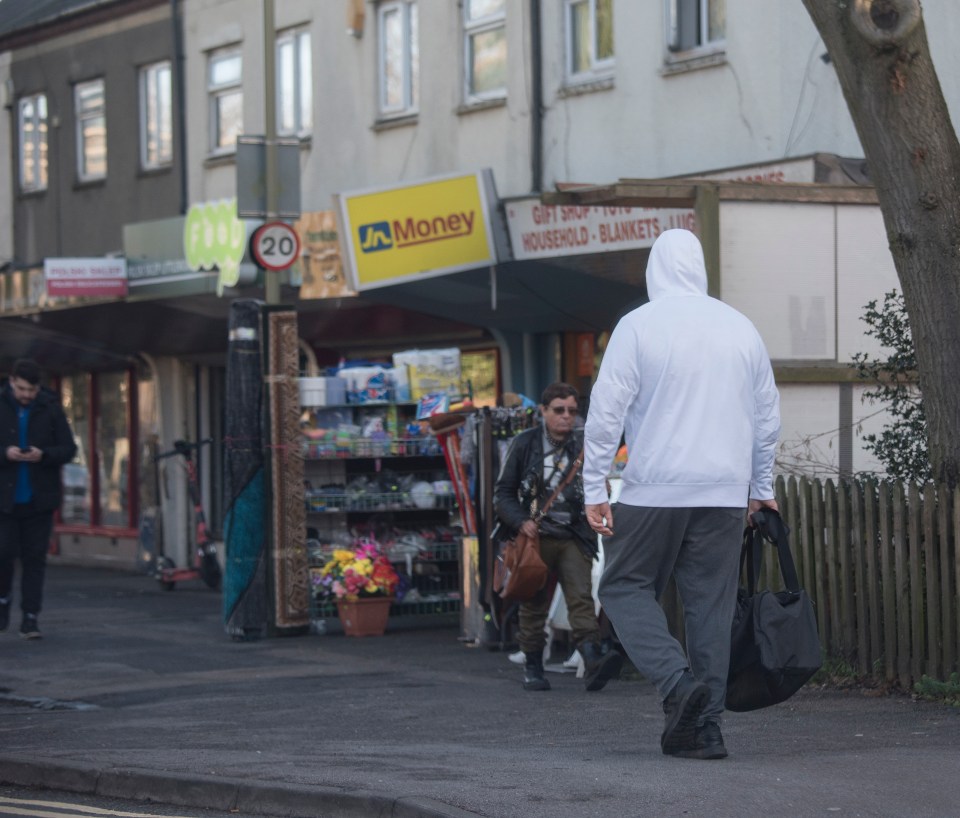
(35, 442)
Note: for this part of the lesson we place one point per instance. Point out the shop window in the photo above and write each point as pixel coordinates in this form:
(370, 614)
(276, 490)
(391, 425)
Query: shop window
(113, 447)
(148, 435)
(97, 485)
(294, 83)
(226, 100)
(33, 142)
(589, 39)
(696, 25)
(480, 375)
(485, 49)
(156, 116)
(399, 58)
(90, 105)
(76, 505)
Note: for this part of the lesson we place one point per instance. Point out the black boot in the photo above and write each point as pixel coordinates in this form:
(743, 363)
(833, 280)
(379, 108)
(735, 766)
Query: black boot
(533, 672)
(600, 667)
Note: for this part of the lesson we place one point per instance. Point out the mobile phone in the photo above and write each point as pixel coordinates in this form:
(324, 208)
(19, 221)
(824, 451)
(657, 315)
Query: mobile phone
(24, 451)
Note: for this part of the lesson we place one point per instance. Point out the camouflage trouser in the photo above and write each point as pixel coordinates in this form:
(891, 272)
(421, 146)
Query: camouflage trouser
(572, 567)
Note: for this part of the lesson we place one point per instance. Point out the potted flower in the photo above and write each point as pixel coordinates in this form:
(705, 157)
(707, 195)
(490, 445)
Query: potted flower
(362, 581)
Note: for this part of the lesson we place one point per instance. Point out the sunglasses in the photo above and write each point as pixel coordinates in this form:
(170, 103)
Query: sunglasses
(561, 410)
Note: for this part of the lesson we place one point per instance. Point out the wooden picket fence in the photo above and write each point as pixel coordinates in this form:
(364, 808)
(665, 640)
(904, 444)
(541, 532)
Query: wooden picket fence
(879, 560)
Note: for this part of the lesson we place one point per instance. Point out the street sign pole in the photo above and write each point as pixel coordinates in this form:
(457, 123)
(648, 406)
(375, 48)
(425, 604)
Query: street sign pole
(271, 282)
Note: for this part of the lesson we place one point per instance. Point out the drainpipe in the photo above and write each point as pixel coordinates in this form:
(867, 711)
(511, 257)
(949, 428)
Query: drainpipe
(536, 98)
(179, 97)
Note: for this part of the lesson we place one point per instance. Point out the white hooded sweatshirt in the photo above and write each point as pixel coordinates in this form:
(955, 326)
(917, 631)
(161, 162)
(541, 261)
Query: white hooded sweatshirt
(688, 380)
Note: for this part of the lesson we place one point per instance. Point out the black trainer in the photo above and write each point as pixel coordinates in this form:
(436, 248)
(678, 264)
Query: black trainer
(707, 743)
(29, 629)
(4, 615)
(683, 707)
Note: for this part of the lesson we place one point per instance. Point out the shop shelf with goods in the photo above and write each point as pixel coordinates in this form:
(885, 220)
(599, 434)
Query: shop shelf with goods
(373, 471)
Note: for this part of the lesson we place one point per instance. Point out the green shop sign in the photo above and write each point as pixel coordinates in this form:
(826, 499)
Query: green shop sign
(213, 237)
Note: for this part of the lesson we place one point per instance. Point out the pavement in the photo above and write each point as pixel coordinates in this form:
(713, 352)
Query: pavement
(136, 692)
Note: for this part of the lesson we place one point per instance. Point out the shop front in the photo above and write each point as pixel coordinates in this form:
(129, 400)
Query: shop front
(441, 248)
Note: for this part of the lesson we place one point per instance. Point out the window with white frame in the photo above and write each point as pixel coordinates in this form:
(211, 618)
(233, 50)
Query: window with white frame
(89, 100)
(226, 99)
(399, 58)
(485, 49)
(156, 115)
(696, 24)
(294, 83)
(32, 126)
(589, 39)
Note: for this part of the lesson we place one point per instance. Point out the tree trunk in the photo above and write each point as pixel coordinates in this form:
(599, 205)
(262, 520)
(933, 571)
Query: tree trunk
(880, 52)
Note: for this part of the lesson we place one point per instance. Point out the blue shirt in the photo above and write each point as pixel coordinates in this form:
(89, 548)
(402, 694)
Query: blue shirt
(24, 491)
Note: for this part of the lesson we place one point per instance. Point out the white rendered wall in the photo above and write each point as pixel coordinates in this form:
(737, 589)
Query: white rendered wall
(778, 267)
(769, 97)
(868, 418)
(803, 273)
(865, 272)
(810, 430)
(348, 149)
(809, 417)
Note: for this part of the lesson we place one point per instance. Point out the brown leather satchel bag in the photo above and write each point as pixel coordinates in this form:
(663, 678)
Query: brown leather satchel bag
(520, 572)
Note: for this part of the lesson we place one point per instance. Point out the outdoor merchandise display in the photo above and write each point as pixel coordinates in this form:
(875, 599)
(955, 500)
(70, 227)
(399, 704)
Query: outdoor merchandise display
(381, 475)
(408, 473)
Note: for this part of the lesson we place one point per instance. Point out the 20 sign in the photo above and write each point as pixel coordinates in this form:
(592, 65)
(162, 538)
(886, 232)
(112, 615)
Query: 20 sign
(275, 246)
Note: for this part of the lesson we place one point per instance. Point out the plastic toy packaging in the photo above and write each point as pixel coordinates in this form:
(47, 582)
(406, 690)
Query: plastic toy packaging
(436, 403)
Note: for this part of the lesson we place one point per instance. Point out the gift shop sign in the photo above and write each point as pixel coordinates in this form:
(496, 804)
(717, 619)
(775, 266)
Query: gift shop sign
(104, 277)
(543, 231)
(423, 230)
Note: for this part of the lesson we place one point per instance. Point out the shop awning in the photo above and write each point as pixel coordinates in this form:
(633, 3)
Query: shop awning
(528, 296)
(109, 335)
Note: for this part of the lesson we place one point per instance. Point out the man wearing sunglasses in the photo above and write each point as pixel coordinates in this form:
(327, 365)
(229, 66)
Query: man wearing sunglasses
(537, 461)
(688, 380)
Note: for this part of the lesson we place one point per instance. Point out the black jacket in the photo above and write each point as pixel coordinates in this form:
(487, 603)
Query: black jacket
(49, 431)
(521, 481)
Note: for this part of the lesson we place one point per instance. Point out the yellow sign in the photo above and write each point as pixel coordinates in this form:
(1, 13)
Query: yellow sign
(437, 227)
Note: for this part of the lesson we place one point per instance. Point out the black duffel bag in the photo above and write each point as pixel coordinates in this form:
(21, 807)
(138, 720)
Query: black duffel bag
(774, 646)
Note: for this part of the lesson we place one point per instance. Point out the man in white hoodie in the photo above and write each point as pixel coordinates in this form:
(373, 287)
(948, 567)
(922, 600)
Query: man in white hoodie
(688, 381)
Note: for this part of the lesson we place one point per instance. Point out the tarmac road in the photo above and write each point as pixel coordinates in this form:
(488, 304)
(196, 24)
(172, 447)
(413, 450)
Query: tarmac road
(137, 693)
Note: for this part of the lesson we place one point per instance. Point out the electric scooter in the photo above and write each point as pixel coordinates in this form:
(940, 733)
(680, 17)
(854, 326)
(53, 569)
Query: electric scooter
(205, 565)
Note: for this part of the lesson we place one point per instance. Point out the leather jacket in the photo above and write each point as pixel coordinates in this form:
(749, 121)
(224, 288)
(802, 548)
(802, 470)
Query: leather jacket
(521, 482)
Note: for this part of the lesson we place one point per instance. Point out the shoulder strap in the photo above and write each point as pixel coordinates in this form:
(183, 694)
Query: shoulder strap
(563, 484)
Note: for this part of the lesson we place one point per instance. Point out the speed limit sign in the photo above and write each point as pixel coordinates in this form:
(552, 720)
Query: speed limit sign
(275, 245)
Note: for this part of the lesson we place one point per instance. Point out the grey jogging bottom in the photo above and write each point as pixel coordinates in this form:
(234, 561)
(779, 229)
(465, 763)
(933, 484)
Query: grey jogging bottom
(700, 547)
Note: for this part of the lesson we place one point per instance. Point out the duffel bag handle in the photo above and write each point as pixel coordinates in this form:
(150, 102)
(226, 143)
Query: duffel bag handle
(769, 526)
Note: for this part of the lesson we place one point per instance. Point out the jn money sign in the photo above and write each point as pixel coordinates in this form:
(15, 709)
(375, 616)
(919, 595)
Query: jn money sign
(436, 227)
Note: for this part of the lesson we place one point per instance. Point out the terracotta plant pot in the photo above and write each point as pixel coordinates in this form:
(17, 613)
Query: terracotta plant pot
(365, 616)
